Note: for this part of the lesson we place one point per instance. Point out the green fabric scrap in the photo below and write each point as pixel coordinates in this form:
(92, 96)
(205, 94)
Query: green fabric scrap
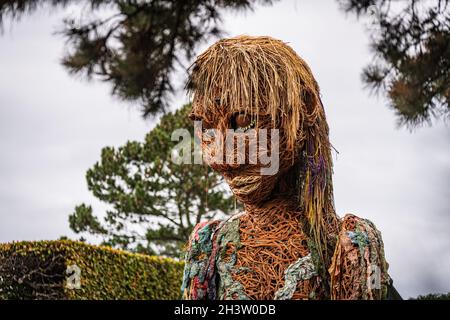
(302, 269)
(358, 237)
(229, 233)
(197, 257)
(205, 239)
(229, 288)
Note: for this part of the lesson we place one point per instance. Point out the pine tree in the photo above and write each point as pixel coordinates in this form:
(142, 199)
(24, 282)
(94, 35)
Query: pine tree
(139, 45)
(153, 202)
(410, 41)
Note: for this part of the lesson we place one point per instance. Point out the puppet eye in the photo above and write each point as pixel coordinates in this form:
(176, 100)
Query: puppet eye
(242, 122)
(195, 117)
(192, 117)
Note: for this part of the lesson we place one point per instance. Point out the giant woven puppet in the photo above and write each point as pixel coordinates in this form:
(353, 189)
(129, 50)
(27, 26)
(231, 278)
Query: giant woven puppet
(288, 242)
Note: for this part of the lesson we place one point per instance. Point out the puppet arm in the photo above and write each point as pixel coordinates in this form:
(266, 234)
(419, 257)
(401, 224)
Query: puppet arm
(359, 268)
(199, 277)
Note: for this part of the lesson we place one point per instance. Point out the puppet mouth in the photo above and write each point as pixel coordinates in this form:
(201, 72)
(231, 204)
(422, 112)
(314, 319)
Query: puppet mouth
(242, 181)
(244, 185)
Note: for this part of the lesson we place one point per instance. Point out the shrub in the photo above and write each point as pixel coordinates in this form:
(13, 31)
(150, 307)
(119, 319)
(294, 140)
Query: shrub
(38, 270)
(434, 296)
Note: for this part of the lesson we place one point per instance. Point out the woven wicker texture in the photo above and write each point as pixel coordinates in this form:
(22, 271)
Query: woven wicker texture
(289, 237)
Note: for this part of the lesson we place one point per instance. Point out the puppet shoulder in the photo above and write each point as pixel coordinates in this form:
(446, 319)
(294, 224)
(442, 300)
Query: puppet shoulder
(199, 274)
(206, 242)
(359, 269)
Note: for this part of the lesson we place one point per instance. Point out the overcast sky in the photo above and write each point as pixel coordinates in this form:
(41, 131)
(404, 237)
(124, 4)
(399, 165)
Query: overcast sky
(53, 126)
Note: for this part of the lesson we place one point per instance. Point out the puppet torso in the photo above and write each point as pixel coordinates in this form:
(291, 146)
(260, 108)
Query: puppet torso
(245, 257)
(266, 255)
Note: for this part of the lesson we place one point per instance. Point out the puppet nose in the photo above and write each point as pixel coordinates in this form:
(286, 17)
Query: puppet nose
(222, 153)
(222, 157)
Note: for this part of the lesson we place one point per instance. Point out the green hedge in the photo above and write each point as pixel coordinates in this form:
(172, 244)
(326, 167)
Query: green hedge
(433, 296)
(37, 270)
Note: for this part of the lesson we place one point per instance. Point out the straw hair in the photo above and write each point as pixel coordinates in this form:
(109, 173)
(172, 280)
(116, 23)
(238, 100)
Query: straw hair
(264, 76)
(257, 75)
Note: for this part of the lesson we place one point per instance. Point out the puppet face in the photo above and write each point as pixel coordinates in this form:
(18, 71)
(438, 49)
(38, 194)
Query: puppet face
(246, 147)
(251, 85)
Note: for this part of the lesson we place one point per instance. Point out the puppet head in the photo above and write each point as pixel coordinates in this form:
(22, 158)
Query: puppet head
(251, 84)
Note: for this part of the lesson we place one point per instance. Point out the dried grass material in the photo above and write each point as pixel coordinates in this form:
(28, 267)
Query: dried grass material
(264, 76)
(270, 244)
